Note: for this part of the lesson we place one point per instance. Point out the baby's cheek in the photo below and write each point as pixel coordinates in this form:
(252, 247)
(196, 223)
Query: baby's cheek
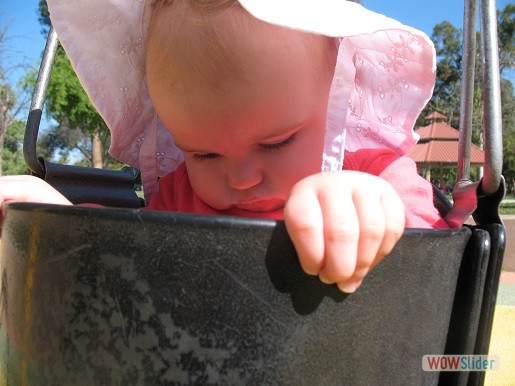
(200, 180)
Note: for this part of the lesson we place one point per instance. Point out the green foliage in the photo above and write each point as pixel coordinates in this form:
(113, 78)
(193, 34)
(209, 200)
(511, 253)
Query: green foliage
(446, 95)
(12, 154)
(44, 16)
(7, 97)
(12, 102)
(508, 121)
(507, 208)
(506, 31)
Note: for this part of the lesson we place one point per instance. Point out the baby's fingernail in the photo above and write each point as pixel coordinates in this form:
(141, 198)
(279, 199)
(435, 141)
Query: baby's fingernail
(324, 280)
(350, 286)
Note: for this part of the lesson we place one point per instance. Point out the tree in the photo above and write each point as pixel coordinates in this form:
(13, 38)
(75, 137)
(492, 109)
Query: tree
(506, 29)
(446, 97)
(506, 36)
(12, 157)
(7, 102)
(508, 122)
(11, 101)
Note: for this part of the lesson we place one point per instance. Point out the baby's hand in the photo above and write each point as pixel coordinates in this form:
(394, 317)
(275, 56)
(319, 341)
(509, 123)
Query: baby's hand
(342, 224)
(26, 188)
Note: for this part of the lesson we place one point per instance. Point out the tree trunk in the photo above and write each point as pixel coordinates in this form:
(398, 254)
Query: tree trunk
(97, 151)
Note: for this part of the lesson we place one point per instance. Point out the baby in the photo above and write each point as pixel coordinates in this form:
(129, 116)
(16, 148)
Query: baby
(254, 109)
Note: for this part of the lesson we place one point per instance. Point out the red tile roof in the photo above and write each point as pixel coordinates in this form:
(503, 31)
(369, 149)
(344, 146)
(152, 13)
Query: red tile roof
(437, 130)
(439, 143)
(443, 152)
(435, 115)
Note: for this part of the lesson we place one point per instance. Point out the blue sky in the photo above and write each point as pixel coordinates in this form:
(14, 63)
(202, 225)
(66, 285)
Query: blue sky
(26, 41)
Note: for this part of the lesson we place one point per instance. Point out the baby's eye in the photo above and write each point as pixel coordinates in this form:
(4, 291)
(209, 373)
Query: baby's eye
(279, 145)
(201, 157)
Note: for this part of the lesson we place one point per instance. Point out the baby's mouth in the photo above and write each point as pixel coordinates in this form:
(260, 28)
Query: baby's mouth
(261, 205)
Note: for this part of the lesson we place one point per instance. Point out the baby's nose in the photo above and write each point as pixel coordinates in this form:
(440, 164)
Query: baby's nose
(244, 175)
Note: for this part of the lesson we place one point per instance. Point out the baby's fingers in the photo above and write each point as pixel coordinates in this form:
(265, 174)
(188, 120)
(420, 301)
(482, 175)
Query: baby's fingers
(25, 188)
(381, 226)
(371, 234)
(341, 234)
(303, 220)
(394, 218)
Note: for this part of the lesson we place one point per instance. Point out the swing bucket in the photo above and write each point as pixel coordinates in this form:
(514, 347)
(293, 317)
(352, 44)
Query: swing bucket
(117, 296)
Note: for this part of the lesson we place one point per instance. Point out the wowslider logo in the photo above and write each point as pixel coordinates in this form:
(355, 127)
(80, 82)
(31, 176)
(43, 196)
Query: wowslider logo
(460, 363)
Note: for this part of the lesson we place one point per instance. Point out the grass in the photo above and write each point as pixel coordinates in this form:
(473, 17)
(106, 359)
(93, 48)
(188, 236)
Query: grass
(507, 208)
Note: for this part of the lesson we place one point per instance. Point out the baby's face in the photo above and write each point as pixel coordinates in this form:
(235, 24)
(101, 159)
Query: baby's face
(249, 138)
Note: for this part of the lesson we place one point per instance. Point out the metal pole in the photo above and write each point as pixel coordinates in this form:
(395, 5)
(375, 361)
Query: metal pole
(491, 98)
(36, 107)
(467, 89)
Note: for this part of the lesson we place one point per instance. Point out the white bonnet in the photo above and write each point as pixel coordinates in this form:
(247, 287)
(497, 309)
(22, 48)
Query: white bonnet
(383, 78)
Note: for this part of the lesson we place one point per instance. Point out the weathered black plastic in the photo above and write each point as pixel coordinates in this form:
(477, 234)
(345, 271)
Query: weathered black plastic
(497, 234)
(487, 211)
(106, 187)
(117, 296)
(468, 303)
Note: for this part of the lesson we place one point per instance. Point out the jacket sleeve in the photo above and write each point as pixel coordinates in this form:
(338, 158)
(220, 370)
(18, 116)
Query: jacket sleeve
(401, 172)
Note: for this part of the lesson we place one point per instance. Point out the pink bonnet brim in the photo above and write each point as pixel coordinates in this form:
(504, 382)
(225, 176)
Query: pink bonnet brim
(383, 78)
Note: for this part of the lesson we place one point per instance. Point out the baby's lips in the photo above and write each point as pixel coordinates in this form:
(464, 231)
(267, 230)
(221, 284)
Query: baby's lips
(261, 205)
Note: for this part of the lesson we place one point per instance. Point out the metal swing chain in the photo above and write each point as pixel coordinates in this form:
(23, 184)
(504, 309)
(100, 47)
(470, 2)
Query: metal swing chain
(491, 98)
(465, 192)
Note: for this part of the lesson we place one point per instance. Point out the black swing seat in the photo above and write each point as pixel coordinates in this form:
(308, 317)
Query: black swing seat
(118, 296)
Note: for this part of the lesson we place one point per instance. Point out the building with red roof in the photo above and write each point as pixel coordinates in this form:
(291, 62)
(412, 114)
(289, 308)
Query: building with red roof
(437, 148)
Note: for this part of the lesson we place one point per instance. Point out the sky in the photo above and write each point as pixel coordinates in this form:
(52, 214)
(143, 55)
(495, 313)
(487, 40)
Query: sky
(26, 42)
